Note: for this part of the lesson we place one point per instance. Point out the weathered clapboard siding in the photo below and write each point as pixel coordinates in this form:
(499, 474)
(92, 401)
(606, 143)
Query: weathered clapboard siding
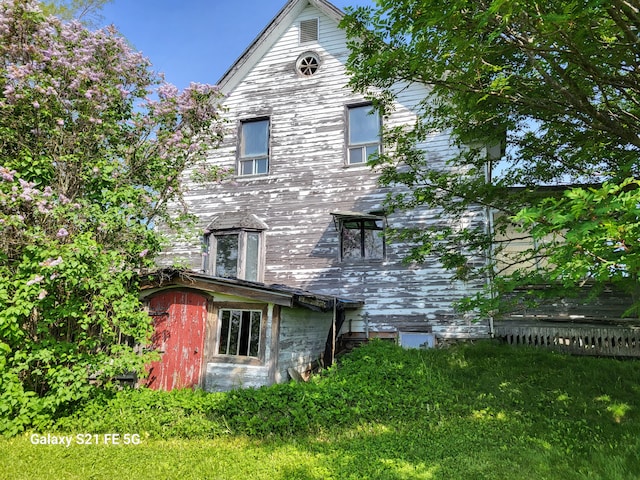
(303, 336)
(222, 377)
(308, 180)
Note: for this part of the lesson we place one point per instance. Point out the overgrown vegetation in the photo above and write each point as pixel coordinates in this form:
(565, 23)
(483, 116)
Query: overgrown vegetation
(556, 82)
(473, 411)
(93, 144)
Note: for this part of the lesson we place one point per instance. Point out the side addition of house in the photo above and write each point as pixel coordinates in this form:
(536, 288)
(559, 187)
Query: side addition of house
(304, 210)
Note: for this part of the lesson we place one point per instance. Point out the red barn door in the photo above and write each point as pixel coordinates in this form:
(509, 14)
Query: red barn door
(179, 319)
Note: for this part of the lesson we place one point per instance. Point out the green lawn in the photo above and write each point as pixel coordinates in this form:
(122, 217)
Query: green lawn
(471, 412)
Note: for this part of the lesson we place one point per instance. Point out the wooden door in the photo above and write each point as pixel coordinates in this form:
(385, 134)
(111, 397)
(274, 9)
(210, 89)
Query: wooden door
(179, 319)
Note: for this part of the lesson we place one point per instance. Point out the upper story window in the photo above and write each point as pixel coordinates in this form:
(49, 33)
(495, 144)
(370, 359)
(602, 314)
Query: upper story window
(235, 245)
(361, 235)
(363, 133)
(254, 147)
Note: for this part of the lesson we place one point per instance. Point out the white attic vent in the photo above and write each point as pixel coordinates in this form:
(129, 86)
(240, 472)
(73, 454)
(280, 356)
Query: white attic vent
(309, 31)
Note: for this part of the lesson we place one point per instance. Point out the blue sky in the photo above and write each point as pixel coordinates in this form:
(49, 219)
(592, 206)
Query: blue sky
(195, 40)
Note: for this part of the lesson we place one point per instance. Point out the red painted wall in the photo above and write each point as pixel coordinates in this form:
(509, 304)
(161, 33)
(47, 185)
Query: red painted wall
(179, 319)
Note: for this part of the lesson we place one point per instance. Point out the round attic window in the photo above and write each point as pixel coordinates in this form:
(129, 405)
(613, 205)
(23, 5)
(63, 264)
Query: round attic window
(308, 64)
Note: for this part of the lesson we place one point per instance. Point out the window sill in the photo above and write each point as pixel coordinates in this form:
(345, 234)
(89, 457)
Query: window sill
(256, 176)
(356, 165)
(362, 261)
(249, 361)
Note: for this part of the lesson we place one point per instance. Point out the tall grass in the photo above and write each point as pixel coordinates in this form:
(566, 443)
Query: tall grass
(473, 411)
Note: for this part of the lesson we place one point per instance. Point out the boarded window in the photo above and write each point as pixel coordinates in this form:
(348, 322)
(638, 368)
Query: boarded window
(254, 148)
(308, 31)
(363, 134)
(240, 332)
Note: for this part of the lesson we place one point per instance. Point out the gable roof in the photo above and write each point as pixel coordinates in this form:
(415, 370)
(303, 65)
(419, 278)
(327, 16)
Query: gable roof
(236, 220)
(265, 40)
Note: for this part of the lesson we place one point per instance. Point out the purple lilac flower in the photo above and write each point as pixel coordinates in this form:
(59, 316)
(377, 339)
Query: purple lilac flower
(36, 279)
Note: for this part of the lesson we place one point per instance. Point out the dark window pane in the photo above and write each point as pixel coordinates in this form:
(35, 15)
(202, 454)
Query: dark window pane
(373, 244)
(246, 167)
(224, 332)
(372, 224)
(371, 150)
(234, 332)
(245, 334)
(226, 256)
(255, 334)
(351, 242)
(351, 224)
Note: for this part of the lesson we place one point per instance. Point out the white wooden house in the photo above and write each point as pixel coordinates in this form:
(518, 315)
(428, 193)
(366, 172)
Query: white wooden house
(303, 209)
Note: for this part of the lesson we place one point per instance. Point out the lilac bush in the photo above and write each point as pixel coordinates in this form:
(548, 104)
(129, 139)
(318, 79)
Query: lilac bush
(93, 144)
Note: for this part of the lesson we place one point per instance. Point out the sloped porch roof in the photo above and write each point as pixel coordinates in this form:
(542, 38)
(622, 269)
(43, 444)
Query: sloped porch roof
(278, 294)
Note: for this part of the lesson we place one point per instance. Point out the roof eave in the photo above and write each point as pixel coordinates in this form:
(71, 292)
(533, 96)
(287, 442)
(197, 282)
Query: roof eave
(264, 40)
(276, 294)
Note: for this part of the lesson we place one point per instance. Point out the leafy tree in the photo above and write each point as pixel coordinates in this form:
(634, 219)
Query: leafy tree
(92, 147)
(86, 11)
(557, 83)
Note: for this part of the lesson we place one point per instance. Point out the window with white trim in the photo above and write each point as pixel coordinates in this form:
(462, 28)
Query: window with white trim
(363, 134)
(254, 147)
(240, 332)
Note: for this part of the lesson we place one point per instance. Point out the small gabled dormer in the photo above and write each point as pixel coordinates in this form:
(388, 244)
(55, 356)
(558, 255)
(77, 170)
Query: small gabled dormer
(234, 246)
